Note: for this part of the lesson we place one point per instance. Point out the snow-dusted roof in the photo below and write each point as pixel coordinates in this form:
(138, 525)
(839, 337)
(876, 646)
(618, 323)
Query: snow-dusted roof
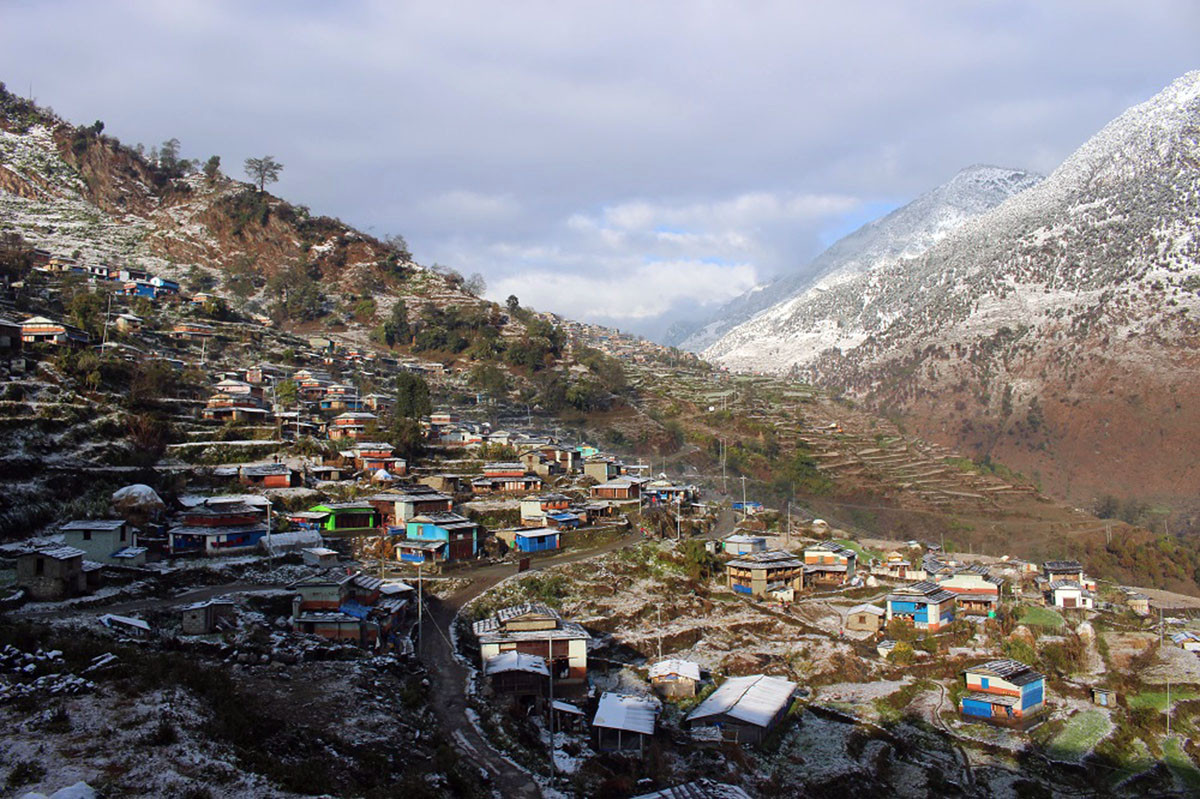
(703, 788)
(566, 707)
(738, 538)
(865, 608)
(61, 553)
(1013, 671)
(682, 668)
(516, 661)
(93, 524)
(536, 532)
(108, 619)
(755, 699)
(628, 713)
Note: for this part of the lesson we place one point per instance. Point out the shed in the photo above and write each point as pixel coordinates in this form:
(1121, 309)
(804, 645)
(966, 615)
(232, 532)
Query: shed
(319, 556)
(674, 678)
(202, 618)
(517, 674)
(744, 709)
(624, 722)
(865, 617)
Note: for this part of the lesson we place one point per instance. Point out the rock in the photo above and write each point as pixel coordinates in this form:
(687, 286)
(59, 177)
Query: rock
(137, 498)
(872, 582)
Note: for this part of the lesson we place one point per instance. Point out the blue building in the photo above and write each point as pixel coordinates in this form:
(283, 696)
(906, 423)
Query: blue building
(459, 534)
(536, 540)
(926, 604)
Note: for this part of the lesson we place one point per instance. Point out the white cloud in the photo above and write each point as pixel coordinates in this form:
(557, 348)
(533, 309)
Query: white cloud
(629, 293)
(465, 206)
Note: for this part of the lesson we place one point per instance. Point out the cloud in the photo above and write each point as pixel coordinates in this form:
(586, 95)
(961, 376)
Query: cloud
(628, 293)
(588, 140)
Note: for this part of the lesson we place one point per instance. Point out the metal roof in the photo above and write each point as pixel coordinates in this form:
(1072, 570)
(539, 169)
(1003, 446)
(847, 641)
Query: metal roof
(681, 668)
(628, 713)
(755, 699)
(698, 789)
(1062, 566)
(926, 590)
(993, 699)
(93, 524)
(515, 661)
(1013, 671)
(874, 609)
(60, 553)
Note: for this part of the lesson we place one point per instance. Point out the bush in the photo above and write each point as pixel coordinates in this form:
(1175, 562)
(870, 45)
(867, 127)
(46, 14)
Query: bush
(25, 772)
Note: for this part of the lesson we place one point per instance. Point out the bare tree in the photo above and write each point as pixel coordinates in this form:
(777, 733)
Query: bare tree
(263, 170)
(475, 285)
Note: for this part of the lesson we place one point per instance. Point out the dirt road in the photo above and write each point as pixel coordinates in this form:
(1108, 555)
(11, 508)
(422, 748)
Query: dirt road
(450, 675)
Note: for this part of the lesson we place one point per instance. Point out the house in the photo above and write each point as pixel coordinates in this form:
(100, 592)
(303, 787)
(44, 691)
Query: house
(1069, 595)
(128, 323)
(353, 607)
(445, 483)
(745, 709)
(192, 331)
(703, 788)
(535, 629)
(829, 563)
(216, 526)
(268, 475)
(50, 573)
(1005, 692)
(319, 556)
(763, 572)
(1104, 697)
(1066, 571)
(624, 722)
(897, 567)
(674, 678)
(926, 604)
(10, 337)
(40, 330)
(353, 425)
(397, 507)
(202, 618)
(1187, 640)
(371, 456)
(738, 544)
(244, 393)
(517, 674)
(347, 519)
(535, 539)
(865, 618)
(534, 509)
(664, 492)
(601, 469)
(975, 589)
(1139, 604)
(459, 534)
(623, 489)
(110, 541)
(506, 478)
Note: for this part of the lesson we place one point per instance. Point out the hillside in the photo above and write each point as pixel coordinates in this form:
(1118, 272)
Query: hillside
(1056, 333)
(900, 235)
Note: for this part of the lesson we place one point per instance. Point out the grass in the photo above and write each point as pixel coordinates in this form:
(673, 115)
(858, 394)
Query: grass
(864, 554)
(1181, 764)
(1158, 699)
(1041, 617)
(1080, 735)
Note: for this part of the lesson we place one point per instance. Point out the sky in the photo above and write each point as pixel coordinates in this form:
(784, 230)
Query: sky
(629, 164)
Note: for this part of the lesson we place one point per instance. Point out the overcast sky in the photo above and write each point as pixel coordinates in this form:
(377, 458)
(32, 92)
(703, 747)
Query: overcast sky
(618, 162)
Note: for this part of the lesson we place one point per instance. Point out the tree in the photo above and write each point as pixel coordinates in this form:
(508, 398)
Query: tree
(412, 396)
(396, 329)
(406, 437)
(168, 155)
(475, 285)
(212, 168)
(513, 303)
(15, 256)
(263, 171)
(287, 393)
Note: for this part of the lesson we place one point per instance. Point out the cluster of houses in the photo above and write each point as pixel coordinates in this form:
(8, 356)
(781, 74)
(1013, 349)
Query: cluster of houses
(131, 282)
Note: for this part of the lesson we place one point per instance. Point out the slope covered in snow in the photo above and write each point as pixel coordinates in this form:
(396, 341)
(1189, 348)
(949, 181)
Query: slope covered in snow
(1056, 328)
(904, 233)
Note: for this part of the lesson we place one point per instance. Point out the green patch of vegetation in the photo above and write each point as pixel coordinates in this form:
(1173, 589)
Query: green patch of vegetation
(1079, 735)
(1181, 763)
(1157, 700)
(1040, 617)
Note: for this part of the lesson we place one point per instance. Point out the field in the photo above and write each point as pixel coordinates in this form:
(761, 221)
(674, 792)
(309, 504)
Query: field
(1041, 617)
(1158, 699)
(1181, 764)
(1080, 735)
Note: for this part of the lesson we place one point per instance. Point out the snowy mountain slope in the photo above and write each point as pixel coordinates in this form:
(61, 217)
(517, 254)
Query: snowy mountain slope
(1055, 332)
(904, 233)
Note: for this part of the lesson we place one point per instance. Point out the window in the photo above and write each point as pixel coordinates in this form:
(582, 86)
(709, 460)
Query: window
(40, 567)
(983, 683)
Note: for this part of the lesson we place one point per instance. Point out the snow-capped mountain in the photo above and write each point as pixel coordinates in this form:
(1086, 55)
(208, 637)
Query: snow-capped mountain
(1055, 330)
(904, 233)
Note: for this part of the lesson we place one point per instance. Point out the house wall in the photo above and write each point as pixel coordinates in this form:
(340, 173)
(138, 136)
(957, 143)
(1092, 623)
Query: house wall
(101, 544)
(58, 579)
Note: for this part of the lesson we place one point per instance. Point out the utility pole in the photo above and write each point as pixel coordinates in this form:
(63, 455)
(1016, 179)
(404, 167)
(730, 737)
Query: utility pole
(1168, 707)
(420, 607)
(745, 513)
(107, 316)
(550, 664)
(787, 531)
(660, 632)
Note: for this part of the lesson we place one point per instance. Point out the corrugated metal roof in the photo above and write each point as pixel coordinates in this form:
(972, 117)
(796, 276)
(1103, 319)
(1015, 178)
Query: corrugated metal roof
(682, 668)
(628, 713)
(516, 661)
(754, 699)
(698, 789)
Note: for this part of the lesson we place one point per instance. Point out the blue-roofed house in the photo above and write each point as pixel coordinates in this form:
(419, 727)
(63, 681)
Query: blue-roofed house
(926, 604)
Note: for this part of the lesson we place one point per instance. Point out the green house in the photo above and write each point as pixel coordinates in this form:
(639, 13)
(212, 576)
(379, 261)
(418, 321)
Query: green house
(348, 518)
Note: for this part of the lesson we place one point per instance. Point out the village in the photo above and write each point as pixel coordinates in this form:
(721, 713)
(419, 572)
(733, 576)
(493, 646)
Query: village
(621, 628)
